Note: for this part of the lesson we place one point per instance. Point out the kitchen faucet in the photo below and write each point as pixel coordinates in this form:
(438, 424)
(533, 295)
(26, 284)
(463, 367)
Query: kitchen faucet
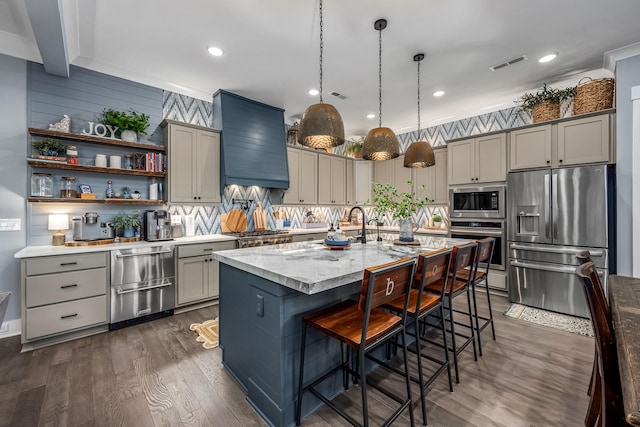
(363, 237)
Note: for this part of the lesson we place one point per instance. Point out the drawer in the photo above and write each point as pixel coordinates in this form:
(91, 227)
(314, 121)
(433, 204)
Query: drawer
(62, 263)
(60, 287)
(199, 249)
(66, 316)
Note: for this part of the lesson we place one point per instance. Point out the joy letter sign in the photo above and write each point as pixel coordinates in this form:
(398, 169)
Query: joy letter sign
(101, 130)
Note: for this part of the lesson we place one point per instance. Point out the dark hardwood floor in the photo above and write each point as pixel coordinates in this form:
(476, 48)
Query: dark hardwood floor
(156, 374)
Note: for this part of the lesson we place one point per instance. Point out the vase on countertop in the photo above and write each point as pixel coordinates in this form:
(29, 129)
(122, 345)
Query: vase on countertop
(406, 230)
(129, 136)
(128, 232)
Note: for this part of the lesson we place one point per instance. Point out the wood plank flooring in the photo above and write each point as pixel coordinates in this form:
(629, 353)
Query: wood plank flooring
(156, 374)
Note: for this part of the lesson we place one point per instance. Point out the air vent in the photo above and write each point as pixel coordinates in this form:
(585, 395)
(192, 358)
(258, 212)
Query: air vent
(337, 95)
(509, 62)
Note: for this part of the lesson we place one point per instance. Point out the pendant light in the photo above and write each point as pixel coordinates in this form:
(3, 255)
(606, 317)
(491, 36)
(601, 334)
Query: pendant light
(321, 125)
(380, 143)
(419, 154)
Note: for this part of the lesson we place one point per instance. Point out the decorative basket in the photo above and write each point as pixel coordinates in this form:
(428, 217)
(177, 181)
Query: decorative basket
(593, 95)
(546, 110)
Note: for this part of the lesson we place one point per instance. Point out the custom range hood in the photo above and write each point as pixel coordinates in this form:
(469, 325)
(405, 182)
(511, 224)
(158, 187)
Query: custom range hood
(253, 149)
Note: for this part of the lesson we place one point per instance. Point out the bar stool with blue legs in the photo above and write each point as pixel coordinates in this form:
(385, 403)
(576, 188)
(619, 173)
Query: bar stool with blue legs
(362, 326)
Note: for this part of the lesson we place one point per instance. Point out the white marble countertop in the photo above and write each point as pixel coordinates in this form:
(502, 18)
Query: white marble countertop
(310, 267)
(47, 250)
(422, 230)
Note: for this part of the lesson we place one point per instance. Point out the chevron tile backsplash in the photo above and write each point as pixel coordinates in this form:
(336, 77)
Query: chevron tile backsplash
(207, 219)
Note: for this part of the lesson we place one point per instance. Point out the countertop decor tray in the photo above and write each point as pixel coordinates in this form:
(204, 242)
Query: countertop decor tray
(413, 243)
(339, 248)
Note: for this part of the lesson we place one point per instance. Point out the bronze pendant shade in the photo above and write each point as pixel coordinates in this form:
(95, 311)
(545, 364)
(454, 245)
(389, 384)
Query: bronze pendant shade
(321, 127)
(380, 143)
(420, 153)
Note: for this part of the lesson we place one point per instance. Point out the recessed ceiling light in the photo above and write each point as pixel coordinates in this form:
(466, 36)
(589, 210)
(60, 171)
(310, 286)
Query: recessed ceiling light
(438, 93)
(548, 58)
(314, 92)
(371, 116)
(215, 51)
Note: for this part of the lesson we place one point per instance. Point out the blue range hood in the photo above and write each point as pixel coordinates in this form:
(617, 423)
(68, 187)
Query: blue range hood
(253, 149)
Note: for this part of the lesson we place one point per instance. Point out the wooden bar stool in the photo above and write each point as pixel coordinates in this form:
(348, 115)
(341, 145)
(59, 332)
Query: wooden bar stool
(483, 255)
(361, 325)
(432, 270)
(463, 257)
(606, 396)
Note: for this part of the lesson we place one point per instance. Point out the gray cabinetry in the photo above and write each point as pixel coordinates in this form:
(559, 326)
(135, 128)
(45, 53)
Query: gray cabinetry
(475, 160)
(362, 179)
(303, 177)
(332, 186)
(198, 272)
(194, 163)
(434, 178)
(64, 294)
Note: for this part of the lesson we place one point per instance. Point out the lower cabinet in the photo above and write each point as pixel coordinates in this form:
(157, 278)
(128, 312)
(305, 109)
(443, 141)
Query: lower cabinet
(198, 279)
(64, 294)
(309, 237)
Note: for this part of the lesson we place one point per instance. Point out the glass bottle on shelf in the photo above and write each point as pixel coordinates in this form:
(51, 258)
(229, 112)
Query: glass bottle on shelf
(68, 190)
(109, 193)
(128, 161)
(72, 154)
(41, 185)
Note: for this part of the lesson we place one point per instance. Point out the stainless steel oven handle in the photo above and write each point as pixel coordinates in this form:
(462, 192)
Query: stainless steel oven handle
(120, 255)
(476, 232)
(553, 251)
(554, 192)
(119, 290)
(547, 207)
(543, 267)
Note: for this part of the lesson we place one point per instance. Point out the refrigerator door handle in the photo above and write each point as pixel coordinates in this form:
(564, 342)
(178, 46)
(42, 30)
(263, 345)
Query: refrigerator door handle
(594, 254)
(554, 194)
(547, 222)
(544, 267)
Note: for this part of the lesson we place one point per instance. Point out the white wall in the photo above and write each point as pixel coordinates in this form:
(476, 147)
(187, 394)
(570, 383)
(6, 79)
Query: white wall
(13, 175)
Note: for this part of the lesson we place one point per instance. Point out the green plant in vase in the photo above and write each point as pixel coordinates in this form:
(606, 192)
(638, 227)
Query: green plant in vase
(129, 124)
(354, 149)
(48, 147)
(545, 103)
(437, 220)
(127, 223)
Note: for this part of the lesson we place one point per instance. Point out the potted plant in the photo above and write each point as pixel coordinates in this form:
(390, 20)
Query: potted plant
(399, 205)
(354, 149)
(49, 147)
(129, 124)
(127, 223)
(545, 103)
(437, 220)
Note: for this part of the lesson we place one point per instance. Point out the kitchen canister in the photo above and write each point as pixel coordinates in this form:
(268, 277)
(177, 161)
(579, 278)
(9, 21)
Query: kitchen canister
(41, 185)
(101, 161)
(115, 162)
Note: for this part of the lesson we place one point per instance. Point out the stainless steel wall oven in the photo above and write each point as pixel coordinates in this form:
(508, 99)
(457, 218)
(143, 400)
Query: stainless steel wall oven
(479, 229)
(477, 201)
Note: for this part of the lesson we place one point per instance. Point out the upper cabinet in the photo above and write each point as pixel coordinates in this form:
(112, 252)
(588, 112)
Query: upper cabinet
(303, 177)
(434, 178)
(392, 172)
(332, 173)
(350, 179)
(194, 163)
(566, 143)
(476, 160)
(362, 178)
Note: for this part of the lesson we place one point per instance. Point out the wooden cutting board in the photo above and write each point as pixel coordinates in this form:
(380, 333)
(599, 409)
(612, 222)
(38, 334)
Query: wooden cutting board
(236, 221)
(259, 218)
(89, 242)
(223, 223)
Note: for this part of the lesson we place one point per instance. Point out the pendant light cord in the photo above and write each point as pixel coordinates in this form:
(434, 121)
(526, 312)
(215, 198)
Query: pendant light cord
(418, 100)
(321, 49)
(380, 78)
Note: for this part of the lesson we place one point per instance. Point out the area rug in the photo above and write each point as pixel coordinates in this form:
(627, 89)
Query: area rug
(207, 333)
(576, 325)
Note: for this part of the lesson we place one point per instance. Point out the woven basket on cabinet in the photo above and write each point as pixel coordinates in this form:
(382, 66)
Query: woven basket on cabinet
(593, 95)
(546, 110)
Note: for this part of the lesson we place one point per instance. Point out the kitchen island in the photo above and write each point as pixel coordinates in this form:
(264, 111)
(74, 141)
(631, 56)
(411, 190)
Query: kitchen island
(265, 290)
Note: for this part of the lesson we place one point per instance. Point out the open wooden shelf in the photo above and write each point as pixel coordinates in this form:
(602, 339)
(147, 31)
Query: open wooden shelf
(96, 139)
(105, 201)
(60, 165)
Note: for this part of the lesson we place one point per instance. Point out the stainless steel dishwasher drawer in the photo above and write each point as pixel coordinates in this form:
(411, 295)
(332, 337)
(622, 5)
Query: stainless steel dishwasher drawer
(141, 299)
(137, 265)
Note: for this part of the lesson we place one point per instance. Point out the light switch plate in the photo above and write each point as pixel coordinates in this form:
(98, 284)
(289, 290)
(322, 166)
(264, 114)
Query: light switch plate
(10, 224)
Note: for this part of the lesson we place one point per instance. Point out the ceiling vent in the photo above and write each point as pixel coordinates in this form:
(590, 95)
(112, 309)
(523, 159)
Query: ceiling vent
(509, 62)
(337, 95)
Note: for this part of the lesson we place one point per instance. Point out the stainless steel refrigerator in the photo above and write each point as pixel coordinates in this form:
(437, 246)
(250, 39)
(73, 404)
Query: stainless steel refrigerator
(553, 214)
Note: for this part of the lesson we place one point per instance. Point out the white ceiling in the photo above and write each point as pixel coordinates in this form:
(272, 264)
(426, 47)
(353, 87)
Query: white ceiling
(272, 49)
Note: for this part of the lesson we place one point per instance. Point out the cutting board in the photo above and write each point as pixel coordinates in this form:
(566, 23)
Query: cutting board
(236, 221)
(259, 218)
(223, 223)
(89, 242)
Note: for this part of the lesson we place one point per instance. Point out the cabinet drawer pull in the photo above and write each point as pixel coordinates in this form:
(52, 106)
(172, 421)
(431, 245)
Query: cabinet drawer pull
(69, 315)
(69, 263)
(75, 285)
(207, 250)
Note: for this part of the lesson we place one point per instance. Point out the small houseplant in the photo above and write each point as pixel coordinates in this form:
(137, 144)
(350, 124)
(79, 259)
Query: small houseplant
(48, 147)
(545, 103)
(129, 124)
(437, 220)
(354, 149)
(399, 205)
(127, 223)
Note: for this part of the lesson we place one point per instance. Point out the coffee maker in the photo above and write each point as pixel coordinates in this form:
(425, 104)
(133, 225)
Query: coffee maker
(157, 225)
(87, 227)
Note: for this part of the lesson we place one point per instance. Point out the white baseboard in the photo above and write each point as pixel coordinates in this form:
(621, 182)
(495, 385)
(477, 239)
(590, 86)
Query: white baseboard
(10, 328)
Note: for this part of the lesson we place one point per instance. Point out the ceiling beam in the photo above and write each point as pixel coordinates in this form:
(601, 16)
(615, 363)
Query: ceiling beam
(48, 28)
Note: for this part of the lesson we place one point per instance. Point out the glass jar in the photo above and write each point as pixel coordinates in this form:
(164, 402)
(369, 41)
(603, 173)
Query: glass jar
(406, 230)
(72, 155)
(41, 185)
(128, 161)
(68, 190)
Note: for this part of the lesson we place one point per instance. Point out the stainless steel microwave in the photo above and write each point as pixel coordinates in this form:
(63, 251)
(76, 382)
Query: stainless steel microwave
(477, 201)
